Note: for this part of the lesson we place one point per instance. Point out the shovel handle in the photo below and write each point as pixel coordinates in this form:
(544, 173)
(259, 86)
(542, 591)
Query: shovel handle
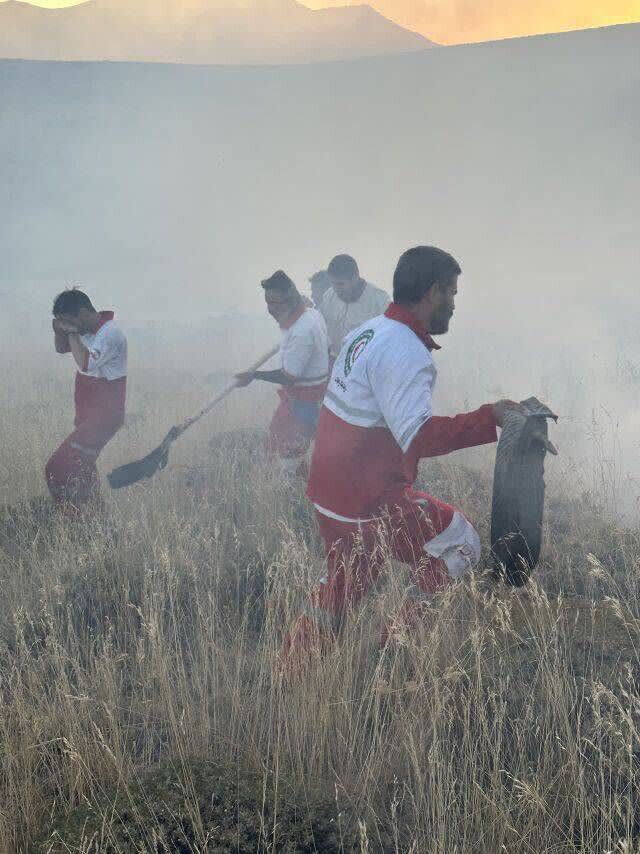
(180, 428)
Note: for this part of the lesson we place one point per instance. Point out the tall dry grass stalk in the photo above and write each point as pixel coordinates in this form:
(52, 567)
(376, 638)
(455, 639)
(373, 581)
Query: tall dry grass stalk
(509, 722)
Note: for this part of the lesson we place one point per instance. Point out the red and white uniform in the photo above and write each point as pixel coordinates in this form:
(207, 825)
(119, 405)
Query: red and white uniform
(375, 425)
(100, 392)
(304, 353)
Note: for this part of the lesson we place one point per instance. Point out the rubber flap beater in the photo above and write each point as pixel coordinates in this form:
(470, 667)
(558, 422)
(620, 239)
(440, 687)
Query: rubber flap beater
(518, 492)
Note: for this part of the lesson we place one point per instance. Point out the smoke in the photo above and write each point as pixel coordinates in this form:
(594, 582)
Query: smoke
(170, 192)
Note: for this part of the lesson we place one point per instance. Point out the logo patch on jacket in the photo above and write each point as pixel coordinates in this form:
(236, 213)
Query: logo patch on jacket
(355, 349)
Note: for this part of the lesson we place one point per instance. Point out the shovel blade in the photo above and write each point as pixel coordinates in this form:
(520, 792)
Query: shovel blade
(139, 470)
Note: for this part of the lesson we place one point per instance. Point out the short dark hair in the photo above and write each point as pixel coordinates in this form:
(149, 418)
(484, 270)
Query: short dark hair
(71, 302)
(343, 267)
(320, 278)
(419, 269)
(279, 281)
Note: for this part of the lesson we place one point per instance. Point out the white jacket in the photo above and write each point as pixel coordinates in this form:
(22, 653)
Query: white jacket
(107, 348)
(304, 349)
(343, 317)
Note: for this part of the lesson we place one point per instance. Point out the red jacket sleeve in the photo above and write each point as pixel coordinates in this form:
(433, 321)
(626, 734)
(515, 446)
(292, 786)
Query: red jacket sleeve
(439, 435)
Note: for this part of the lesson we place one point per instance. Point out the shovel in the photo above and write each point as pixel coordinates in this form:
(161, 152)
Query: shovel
(158, 458)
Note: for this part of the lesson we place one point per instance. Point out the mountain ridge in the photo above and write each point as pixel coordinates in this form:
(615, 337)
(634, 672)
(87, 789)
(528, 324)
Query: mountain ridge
(278, 31)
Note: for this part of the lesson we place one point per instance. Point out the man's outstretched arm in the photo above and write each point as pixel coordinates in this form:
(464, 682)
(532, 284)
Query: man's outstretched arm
(442, 435)
(279, 377)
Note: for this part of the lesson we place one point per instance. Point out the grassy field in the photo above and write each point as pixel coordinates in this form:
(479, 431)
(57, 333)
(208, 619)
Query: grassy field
(139, 710)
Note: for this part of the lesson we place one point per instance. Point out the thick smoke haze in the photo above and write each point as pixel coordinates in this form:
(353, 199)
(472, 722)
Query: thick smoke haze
(169, 192)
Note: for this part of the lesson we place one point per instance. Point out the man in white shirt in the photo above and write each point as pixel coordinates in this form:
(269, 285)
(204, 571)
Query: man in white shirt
(349, 302)
(99, 349)
(303, 373)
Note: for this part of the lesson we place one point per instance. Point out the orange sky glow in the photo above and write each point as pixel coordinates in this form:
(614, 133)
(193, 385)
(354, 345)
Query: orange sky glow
(459, 21)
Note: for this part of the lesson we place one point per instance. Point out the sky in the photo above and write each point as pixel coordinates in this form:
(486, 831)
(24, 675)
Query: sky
(461, 21)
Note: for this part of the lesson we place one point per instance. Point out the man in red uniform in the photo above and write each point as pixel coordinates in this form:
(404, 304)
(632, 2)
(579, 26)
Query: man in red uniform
(99, 349)
(304, 353)
(375, 425)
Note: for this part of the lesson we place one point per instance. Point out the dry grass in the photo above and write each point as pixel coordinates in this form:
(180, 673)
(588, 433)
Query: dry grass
(145, 640)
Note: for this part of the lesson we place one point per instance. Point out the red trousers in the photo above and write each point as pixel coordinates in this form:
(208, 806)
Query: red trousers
(356, 553)
(433, 539)
(292, 426)
(71, 473)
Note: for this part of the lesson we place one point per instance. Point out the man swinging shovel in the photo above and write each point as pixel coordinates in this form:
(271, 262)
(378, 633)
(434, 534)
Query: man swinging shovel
(303, 374)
